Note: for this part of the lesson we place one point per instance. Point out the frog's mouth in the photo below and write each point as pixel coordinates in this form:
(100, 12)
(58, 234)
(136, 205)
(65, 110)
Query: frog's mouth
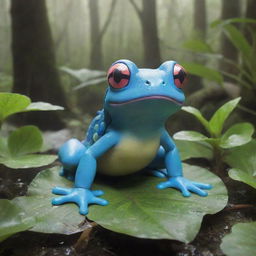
(157, 97)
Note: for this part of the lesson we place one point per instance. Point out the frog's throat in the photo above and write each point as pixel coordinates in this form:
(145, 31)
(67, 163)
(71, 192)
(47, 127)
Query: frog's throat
(161, 97)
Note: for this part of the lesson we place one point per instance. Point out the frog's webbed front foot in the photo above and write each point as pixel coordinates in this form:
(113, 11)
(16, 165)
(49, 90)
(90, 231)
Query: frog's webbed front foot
(81, 196)
(185, 186)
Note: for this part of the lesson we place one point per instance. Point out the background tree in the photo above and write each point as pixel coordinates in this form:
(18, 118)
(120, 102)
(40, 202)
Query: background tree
(148, 19)
(34, 66)
(251, 13)
(200, 19)
(97, 33)
(200, 31)
(230, 9)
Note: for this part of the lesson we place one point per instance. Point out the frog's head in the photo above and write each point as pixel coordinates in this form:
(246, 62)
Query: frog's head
(152, 91)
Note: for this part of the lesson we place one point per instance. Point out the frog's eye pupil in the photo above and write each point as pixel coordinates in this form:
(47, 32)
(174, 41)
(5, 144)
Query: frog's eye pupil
(118, 76)
(179, 75)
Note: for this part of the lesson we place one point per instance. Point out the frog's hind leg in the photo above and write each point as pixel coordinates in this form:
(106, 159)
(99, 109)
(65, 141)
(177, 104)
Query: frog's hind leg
(69, 155)
(157, 166)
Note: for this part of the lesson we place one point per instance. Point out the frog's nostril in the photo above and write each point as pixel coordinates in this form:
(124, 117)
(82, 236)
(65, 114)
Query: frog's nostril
(148, 82)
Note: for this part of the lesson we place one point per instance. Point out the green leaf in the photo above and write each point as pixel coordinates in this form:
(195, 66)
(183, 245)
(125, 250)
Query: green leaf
(203, 71)
(194, 149)
(237, 135)
(136, 206)
(242, 160)
(138, 209)
(189, 136)
(3, 147)
(42, 106)
(11, 103)
(84, 75)
(232, 20)
(197, 45)
(50, 219)
(27, 139)
(217, 121)
(27, 161)
(238, 40)
(241, 241)
(243, 176)
(11, 220)
(195, 112)
(90, 82)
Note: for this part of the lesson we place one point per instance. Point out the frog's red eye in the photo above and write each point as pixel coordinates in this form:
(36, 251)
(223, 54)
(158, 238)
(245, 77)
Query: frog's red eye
(179, 75)
(118, 76)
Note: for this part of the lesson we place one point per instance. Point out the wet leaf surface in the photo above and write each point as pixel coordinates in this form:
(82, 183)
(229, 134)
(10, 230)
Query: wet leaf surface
(136, 208)
(241, 241)
(243, 162)
(11, 220)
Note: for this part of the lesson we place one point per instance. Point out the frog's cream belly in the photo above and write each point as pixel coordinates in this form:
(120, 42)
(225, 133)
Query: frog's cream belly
(129, 156)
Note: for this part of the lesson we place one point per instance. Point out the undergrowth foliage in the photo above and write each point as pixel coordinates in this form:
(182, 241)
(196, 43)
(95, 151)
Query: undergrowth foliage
(19, 148)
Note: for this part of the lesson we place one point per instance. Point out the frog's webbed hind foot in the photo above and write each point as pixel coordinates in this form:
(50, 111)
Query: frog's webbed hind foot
(162, 173)
(70, 175)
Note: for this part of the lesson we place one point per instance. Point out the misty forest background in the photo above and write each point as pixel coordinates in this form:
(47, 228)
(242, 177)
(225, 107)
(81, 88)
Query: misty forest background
(37, 38)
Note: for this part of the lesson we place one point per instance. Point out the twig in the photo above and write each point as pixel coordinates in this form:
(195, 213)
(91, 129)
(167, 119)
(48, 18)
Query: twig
(238, 206)
(83, 240)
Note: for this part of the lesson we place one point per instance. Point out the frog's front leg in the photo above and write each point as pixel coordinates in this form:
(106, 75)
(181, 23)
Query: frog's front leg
(81, 194)
(174, 171)
(69, 155)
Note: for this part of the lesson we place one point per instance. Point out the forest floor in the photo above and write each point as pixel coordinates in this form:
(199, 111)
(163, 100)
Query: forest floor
(98, 241)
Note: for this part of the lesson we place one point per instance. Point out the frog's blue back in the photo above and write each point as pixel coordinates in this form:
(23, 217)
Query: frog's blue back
(97, 128)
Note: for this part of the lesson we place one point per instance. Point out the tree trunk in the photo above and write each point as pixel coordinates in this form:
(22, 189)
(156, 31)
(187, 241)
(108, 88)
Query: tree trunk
(230, 9)
(200, 18)
(34, 65)
(151, 47)
(200, 29)
(248, 95)
(148, 20)
(96, 57)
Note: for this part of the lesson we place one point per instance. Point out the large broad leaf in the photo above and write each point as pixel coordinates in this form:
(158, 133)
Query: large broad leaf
(237, 135)
(28, 161)
(194, 149)
(27, 139)
(203, 71)
(217, 121)
(136, 206)
(195, 112)
(11, 103)
(241, 241)
(12, 219)
(242, 160)
(139, 209)
(42, 106)
(189, 136)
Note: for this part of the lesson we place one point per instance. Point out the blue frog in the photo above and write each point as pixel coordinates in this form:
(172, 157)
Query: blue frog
(129, 134)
